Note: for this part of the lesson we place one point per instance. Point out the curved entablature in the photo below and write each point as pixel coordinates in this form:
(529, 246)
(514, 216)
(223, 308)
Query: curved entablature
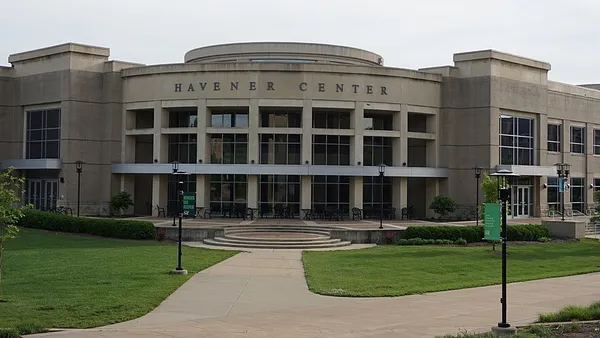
(283, 52)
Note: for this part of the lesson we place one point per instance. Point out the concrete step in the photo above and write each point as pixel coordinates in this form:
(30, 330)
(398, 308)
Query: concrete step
(301, 227)
(278, 230)
(277, 236)
(276, 245)
(276, 241)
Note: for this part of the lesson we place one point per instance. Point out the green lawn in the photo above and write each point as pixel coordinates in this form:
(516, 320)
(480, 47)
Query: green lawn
(67, 281)
(402, 270)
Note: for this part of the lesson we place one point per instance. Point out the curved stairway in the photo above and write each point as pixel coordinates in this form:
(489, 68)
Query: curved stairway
(277, 237)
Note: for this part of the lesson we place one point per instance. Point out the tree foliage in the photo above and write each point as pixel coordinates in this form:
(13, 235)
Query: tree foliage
(121, 201)
(490, 187)
(442, 205)
(10, 214)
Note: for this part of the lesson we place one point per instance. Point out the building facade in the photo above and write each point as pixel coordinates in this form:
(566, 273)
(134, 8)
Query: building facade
(300, 125)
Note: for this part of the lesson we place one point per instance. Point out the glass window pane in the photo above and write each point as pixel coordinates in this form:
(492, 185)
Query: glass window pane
(228, 154)
(506, 125)
(332, 155)
(368, 122)
(36, 119)
(333, 120)
(294, 138)
(53, 118)
(241, 153)
(344, 120)
(241, 120)
(280, 153)
(319, 120)
(506, 156)
(295, 120)
(319, 154)
(216, 120)
(294, 154)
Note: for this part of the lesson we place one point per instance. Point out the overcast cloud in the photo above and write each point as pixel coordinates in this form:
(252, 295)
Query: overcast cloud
(408, 34)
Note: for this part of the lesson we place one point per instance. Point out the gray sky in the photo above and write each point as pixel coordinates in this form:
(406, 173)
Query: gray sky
(408, 34)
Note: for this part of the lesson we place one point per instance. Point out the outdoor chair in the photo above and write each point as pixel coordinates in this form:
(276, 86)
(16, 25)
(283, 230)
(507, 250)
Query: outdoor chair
(161, 210)
(356, 214)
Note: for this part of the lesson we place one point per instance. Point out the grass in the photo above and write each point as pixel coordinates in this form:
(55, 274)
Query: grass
(537, 331)
(570, 313)
(67, 281)
(402, 270)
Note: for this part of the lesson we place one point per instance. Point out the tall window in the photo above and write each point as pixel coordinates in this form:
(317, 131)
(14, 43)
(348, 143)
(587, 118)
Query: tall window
(596, 141)
(279, 189)
(596, 184)
(43, 134)
(331, 119)
(228, 192)
(577, 140)
(553, 196)
(183, 119)
(516, 140)
(229, 119)
(377, 150)
(372, 192)
(554, 137)
(229, 148)
(331, 192)
(281, 118)
(577, 190)
(280, 149)
(182, 148)
(189, 185)
(379, 121)
(331, 150)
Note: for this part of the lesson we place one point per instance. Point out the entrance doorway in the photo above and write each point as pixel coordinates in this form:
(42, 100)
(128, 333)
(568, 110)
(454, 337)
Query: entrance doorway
(521, 206)
(42, 194)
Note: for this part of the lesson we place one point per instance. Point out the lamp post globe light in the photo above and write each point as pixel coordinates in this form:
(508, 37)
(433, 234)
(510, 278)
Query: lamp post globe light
(175, 168)
(562, 170)
(477, 177)
(78, 169)
(381, 173)
(503, 326)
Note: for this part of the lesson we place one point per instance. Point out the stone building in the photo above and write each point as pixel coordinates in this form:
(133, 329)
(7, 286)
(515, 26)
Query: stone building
(295, 124)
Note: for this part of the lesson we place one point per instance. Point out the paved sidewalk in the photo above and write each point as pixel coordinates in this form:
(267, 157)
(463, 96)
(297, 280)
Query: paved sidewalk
(263, 294)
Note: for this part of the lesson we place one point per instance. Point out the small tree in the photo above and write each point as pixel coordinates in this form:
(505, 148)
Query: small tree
(596, 219)
(491, 194)
(120, 202)
(9, 214)
(442, 205)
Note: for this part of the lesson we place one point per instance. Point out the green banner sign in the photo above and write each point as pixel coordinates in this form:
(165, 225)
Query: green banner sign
(491, 225)
(189, 203)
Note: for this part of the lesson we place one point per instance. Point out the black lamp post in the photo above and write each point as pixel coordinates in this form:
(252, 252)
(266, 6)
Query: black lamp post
(79, 169)
(562, 169)
(179, 270)
(175, 167)
(180, 212)
(505, 193)
(381, 173)
(477, 177)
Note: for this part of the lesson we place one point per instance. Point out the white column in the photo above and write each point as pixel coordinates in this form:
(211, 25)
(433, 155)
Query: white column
(252, 191)
(253, 137)
(203, 116)
(159, 193)
(358, 123)
(160, 143)
(201, 191)
(306, 192)
(306, 133)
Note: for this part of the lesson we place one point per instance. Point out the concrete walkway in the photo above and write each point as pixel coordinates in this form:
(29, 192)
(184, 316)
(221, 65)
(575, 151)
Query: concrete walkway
(263, 293)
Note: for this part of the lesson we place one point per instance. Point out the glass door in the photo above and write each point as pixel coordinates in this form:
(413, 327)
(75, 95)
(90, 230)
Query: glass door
(522, 201)
(51, 194)
(34, 193)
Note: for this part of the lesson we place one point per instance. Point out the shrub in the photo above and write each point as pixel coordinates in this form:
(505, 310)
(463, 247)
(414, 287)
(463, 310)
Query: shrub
(461, 241)
(124, 229)
(544, 239)
(120, 202)
(442, 205)
(9, 333)
(471, 234)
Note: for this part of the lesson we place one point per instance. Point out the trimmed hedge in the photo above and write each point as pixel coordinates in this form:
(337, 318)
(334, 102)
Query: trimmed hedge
(124, 229)
(472, 234)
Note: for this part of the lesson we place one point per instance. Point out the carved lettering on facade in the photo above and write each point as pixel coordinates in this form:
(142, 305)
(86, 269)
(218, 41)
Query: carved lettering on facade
(270, 86)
